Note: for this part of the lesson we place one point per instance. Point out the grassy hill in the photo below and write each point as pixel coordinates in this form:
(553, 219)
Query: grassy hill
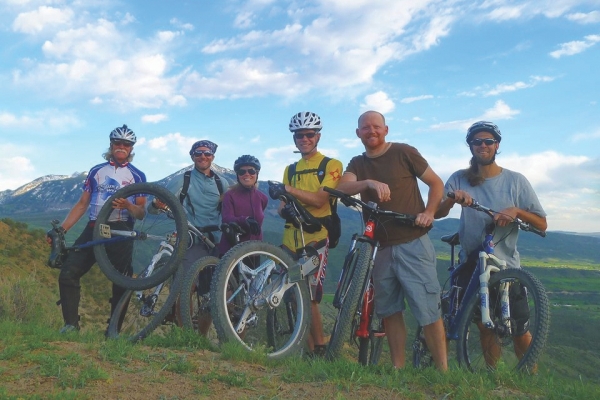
(39, 363)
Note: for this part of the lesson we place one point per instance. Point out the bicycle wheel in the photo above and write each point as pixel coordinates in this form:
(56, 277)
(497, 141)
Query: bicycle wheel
(489, 349)
(248, 294)
(370, 349)
(132, 246)
(193, 303)
(142, 312)
(348, 314)
(422, 357)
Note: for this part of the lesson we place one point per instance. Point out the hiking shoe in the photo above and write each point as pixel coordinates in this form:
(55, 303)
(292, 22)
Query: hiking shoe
(68, 329)
(319, 351)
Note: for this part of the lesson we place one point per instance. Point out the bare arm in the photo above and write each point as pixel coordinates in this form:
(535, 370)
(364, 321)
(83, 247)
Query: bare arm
(351, 186)
(316, 199)
(434, 197)
(77, 211)
(507, 215)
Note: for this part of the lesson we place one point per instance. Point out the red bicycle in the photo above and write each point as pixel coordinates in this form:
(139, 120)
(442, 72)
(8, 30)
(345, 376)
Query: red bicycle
(356, 322)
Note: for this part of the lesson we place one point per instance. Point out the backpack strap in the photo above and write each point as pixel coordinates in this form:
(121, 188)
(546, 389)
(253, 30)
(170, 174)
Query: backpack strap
(320, 170)
(186, 184)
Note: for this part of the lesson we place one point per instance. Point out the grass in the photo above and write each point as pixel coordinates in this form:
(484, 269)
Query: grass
(27, 353)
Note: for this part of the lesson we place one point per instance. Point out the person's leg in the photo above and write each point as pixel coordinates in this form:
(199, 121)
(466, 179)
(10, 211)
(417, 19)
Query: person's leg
(77, 264)
(489, 345)
(435, 337)
(395, 331)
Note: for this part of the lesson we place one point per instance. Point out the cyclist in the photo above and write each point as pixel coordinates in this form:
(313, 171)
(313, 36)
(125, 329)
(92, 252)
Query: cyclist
(102, 181)
(243, 203)
(306, 186)
(201, 199)
(499, 189)
(404, 267)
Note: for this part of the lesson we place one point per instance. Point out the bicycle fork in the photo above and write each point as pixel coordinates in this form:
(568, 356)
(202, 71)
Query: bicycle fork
(488, 264)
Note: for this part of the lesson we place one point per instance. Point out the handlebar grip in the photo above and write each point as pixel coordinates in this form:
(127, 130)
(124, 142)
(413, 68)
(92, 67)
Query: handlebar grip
(451, 195)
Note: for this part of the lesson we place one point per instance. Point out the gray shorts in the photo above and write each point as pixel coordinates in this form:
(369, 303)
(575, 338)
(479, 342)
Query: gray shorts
(405, 273)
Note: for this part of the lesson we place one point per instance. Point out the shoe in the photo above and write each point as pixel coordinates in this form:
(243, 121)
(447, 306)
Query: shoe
(68, 329)
(319, 351)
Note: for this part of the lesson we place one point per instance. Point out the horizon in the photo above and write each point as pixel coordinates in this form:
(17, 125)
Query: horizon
(234, 72)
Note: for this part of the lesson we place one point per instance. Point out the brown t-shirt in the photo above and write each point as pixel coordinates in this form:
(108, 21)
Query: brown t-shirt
(399, 167)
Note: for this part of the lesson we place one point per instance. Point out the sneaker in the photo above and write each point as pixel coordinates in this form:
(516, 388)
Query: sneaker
(68, 329)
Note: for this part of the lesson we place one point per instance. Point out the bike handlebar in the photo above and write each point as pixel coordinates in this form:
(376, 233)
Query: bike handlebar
(524, 226)
(371, 206)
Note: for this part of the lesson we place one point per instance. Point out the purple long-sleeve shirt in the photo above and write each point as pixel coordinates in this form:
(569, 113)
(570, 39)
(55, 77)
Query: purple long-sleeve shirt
(240, 203)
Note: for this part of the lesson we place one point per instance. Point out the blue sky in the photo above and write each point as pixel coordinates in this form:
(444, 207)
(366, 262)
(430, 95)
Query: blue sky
(235, 72)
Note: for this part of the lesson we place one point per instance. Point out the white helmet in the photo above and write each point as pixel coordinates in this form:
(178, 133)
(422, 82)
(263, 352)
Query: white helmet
(123, 133)
(305, 120)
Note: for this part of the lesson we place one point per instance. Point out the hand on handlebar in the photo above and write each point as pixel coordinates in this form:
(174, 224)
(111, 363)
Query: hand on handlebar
(506, 216)
(461, 197)
(253, 225)
(288, 212)
(276, 190)
(423, 220)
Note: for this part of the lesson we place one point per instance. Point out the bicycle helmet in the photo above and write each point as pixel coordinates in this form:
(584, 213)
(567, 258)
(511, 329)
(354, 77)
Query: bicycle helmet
(483, 126)
(246, 159)
(123, 133)
(305, 120)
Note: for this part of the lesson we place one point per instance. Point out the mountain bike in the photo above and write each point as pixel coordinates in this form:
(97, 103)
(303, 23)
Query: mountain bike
(195, 303)
(491, 308)
(145, 236)
(141, 312)
(259, 294)
(356, 322)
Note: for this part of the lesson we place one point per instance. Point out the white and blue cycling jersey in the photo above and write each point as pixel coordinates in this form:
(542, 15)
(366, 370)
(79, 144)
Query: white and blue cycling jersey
(104, 180)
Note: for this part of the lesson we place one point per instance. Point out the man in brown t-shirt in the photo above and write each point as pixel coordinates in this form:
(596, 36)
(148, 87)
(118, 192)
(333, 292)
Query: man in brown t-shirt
(404, 268)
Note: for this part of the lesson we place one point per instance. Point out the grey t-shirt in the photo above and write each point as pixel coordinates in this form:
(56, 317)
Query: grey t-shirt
(508, 189)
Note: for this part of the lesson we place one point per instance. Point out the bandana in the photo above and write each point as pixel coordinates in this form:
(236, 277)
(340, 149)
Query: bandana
(204, 143)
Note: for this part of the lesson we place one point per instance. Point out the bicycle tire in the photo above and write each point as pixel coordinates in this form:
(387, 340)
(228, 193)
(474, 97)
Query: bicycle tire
(348, 311)
(192, 303)
(140, 316)
(421, 356)
(135, 253)
(471, 353)
(370, 349)
(231, 295)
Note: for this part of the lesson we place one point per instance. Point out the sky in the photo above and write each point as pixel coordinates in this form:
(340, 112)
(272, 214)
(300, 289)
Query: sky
(234, 72)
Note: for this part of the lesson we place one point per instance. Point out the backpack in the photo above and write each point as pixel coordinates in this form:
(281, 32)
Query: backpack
(186, 184)
(332, 222)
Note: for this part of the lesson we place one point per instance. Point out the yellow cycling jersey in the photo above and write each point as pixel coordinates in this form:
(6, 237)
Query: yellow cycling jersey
(309, 181)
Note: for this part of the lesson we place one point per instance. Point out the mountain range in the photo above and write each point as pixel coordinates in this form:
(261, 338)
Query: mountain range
(52, 196)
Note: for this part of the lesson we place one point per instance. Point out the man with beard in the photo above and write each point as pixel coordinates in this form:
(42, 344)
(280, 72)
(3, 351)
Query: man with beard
(507, 192)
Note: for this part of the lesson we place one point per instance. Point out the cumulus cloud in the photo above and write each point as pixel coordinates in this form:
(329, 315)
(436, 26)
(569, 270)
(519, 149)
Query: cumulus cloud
(45, 122)
(378, 101)
(575, 47)
(44, 17)
(170, 142)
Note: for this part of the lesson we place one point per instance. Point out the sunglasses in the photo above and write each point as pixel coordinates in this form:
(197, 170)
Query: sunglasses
(242, 172)
(123, 143)
(302, 135)
(205, 153)
(479, 142)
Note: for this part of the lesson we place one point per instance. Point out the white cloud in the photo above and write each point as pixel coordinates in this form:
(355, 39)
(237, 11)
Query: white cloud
(408, 100)
(36, 21)
(170, 142)
(154, 118)
(244, 20)
(351, 143)
(378, 101)
(511, 87)
(592, 17)
(498, 112)
(45, 122)
(576, 46)
(181, 25)
(580, 137)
